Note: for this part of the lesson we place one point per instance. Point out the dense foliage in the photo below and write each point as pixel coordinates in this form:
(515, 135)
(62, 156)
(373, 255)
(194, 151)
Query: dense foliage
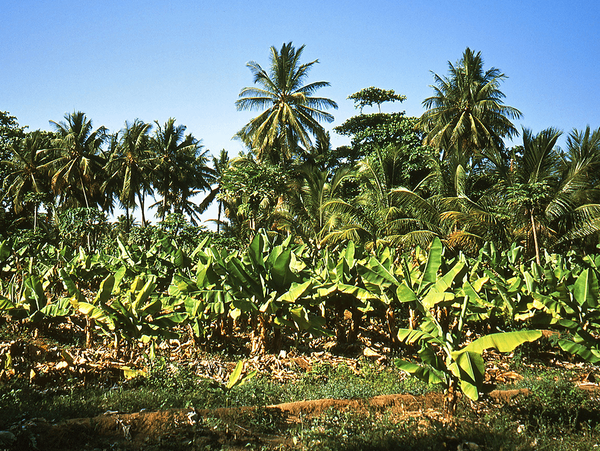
(429, 228)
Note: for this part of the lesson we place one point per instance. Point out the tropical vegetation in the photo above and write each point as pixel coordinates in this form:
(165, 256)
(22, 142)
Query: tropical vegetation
(431, 232)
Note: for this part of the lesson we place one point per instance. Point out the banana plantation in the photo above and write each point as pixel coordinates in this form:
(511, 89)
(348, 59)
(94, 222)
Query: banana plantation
(429, 237)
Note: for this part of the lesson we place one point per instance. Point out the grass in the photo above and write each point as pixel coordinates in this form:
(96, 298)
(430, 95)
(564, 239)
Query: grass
(531, 424)
(556, 416)
(175, 386)
(373, 430)
(328, 382)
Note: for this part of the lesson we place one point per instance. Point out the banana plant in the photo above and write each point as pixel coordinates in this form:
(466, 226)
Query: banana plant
(512, 282)
(33, 302)
(136, 313)
(95, 310)
(573, 305)
(7, 266)
(340, 287)
(444, 299)
(274, 284)
(87, 270)
(382, 277)
(207, 298)
(447, 360)
(162, 259)
(420, 287)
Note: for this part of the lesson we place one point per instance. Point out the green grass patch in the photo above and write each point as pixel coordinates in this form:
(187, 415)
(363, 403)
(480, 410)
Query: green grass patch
(557, 415)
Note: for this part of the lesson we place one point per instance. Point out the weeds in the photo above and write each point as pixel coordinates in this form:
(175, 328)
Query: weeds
(557, 415)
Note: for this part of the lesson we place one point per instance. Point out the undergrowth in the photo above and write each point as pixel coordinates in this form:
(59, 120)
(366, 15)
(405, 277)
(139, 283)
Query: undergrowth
(557, 415)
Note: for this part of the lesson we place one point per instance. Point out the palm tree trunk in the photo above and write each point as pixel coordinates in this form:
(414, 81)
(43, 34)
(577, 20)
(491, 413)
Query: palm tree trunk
(164, 209)
(219, 216)
(535, 240)
(141, 198)
(87, 205)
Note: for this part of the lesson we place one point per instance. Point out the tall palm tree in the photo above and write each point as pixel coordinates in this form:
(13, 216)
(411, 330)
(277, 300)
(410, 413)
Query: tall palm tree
(26, 176)
(467, 113)
(583, 148)
(180, 169)
(541, 196)
(534, 185)
(128, 166)
(291, 112)
(220, 165)
(76, 160)
(581, 188)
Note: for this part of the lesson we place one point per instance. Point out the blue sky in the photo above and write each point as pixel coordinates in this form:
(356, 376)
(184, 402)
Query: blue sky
(121, 60)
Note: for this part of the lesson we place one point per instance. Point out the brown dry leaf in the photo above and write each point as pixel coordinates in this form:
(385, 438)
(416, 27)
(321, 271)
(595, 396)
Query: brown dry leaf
(61, 365)
(509, 376)
(368, 352)
(302, 363)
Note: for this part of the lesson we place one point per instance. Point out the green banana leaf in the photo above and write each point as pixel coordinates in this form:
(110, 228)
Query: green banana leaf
(503, 342)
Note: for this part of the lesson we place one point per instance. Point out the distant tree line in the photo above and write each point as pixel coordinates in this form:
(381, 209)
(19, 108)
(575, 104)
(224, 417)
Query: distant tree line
(402, 181)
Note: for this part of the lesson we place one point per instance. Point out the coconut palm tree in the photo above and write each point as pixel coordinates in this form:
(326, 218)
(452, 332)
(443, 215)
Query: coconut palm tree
(541, 197)
(533, 186)
(469, 218)
(383, 211)
(76, 161)
(583, 149)
(180, 169)
(26, 177)
(304, 211)
(129, 167)
(220, 165)
(467, 113)
(578, 203)
(291, 112)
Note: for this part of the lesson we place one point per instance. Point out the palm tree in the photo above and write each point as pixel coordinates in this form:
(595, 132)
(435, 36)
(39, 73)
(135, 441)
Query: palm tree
(180, 169)
(291, 112)
(26, 176)
(129, 166)
(583, 148)
(382, 211)
(76, 161)
(304, 211)
(578, 204)
(542, 197)
(467, 113)
(220, 165)
(469, 218)
(533, 187)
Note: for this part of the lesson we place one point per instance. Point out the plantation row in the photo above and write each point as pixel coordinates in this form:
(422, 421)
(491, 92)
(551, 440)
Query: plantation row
(276, 289)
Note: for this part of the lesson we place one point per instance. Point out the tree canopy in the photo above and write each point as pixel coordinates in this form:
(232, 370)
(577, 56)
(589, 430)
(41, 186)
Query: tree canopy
(401, 180)
(467, 114)
(291, 112)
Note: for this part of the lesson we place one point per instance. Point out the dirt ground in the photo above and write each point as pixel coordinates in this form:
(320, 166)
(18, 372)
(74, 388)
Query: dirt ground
(191, 429)
(45, 363)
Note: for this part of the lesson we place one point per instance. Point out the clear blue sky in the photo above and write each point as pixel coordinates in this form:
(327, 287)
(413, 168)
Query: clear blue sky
(121, 60)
